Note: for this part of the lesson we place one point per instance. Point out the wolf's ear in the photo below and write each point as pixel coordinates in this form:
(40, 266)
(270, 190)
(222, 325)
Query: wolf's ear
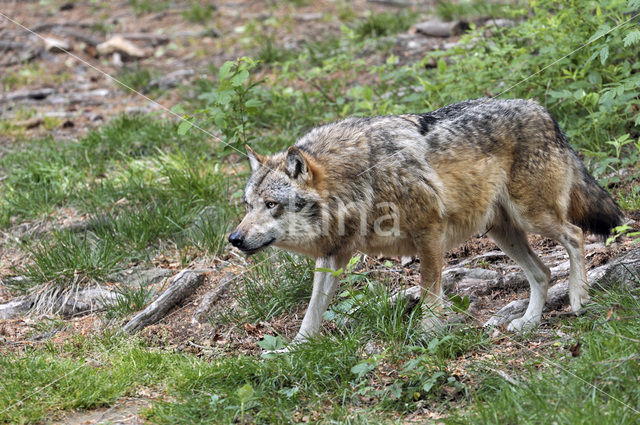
(255, 160)
(296, 166)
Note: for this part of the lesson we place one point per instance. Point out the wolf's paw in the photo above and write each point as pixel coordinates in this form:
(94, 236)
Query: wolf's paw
(283, 350)
(578, 297)
(523, 324)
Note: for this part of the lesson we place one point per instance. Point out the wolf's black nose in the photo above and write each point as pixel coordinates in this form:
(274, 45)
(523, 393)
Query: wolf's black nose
(235, 239)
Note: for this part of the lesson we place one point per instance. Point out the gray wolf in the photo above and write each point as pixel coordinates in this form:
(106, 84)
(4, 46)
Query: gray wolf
(420, 184)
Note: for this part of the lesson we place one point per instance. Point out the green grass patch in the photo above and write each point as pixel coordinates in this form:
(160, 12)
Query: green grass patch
(384, 23)
(199, 11)
(135, 78)
(468, 9)
(144, 186)
(598, 386)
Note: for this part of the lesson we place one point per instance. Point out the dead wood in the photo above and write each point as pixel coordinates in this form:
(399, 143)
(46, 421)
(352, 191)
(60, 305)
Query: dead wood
(184, 285)
(211, 297)
(623, 270)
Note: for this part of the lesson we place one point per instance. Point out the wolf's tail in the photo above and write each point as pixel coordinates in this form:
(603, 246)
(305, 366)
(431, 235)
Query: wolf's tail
(591, 207)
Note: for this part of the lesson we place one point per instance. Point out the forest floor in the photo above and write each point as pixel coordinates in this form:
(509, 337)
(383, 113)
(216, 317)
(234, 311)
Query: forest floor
(100, 193)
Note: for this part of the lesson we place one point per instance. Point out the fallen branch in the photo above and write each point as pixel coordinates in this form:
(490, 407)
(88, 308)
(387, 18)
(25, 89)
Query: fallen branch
(211, 297)
(623, 269)
(184, 284)
(16, 307)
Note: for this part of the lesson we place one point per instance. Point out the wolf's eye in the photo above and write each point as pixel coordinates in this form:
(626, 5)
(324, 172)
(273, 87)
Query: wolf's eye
(270, 204)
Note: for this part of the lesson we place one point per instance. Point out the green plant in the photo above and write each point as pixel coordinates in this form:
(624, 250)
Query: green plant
(273, 287)
(140, 7)
(128, 300)
(199, 11)
(384, 23)
(70, 259)
(135, 78)
(233, 103)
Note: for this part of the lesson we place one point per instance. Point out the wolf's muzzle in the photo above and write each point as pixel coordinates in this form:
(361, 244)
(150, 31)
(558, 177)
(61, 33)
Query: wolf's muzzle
(236, 239)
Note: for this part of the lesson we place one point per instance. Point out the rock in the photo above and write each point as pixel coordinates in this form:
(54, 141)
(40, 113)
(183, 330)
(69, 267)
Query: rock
(56, 45)
(32, 122)
(145, 37)
(500, 23)
(170, 80)
(124, 47)
(37, 94)
(82, 36)
(441, 29)
(138, 277)
(12, 52)
(407, 261)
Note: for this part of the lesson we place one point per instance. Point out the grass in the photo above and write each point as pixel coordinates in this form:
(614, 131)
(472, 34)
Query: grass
(129, 300)
(469, 9)
(141, 193)
(332, 377)
(32, 74)
(135, 78)
(141, 7)
(286, 286)
(199, 11)
(384, 23)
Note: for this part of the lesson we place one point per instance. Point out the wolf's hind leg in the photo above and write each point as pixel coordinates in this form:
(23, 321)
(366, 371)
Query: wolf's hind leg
(572, 240)
(512, 240)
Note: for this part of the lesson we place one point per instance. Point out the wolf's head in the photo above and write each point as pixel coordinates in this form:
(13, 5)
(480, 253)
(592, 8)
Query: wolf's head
(282, 202)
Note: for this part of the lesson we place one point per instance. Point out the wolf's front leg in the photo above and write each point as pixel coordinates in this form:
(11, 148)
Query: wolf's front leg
(431, 281)
(324, 287)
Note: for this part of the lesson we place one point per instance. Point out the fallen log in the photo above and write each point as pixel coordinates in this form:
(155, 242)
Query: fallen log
(210, 298)
(184, 284)
(625, 270)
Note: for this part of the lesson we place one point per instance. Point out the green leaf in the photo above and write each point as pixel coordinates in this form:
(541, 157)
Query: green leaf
(433, 379)
(442, 66)
(177, 109)
(225, 69)
(184, 126)
(245, 393)
(240, 78)
(601, 31)
(271, 343)
(224, 97)
(254, 103)
(334, 273)
(633, 5)
(604, 54)
(361, 369)
(289, 392)
(460, 305)
(632, 38)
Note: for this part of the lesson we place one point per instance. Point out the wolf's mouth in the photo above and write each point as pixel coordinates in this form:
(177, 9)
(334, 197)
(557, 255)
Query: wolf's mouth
(261, 247)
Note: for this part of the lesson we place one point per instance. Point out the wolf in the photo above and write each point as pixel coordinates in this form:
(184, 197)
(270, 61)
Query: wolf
(421, 184)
